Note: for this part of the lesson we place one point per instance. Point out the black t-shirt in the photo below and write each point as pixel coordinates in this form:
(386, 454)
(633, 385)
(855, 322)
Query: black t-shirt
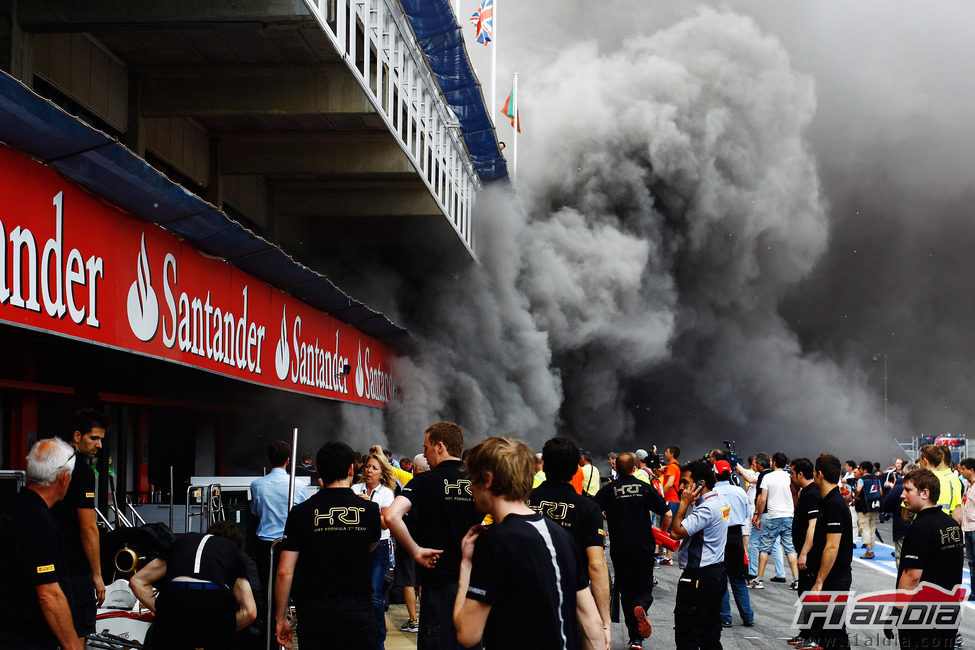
(332, 532)
(81, 495)
(220, 561)
(807, 509)
(577, 514)
(834, 517)
(32, 549)
(934, 544)
(628, 503)
(444, 508)
(514, 572)
(761, 476)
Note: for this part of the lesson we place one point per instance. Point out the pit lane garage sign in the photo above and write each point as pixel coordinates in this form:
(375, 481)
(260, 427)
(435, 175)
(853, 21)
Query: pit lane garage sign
(74, 266)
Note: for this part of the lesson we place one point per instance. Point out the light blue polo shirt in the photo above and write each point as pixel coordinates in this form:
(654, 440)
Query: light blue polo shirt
(707, 527)
(737, 499)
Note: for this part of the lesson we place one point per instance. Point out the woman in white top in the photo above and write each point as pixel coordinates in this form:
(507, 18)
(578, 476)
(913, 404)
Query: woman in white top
(377, 487)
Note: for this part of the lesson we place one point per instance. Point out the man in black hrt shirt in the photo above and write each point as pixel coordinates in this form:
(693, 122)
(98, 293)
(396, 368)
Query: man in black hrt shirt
(628, 505)
(325, 555)
(804, 522)
(76, 517)
(579, 515)
(522, 580)
(204, 596)
(444, 511)
(831, 555)
(932, 554)
(34, 613)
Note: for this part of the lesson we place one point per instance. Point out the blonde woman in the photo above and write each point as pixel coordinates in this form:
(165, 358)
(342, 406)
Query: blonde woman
(375, 487)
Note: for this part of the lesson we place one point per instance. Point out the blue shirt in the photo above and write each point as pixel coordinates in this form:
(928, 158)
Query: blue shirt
(737, 499)
(707, 529)
(269, 501)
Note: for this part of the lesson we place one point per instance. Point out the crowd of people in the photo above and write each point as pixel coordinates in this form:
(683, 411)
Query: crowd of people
(494, 545)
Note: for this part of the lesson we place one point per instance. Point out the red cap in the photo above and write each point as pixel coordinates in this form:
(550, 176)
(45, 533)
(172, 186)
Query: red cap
(721, 467)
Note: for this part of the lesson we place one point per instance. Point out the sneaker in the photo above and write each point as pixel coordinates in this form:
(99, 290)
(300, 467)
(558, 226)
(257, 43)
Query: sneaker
(796, 640)
(636, 644)
(778, 579)
(642, 624)
(655, 581)
(666, 561)
(756, 583)
(410, 626)
(795, 585)
(750, 623)
(809, 644)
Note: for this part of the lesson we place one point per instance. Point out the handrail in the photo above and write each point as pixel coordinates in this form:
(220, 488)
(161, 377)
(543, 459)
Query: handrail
(390, 67)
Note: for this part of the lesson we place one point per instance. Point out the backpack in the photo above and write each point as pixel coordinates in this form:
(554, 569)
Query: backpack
(871, 498)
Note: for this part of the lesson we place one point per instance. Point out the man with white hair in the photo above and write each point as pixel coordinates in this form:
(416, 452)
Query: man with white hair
(34, 612)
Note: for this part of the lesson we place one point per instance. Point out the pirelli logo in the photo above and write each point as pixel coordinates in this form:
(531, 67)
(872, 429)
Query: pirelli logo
(47, 568)
(725, 512)
(90, 495)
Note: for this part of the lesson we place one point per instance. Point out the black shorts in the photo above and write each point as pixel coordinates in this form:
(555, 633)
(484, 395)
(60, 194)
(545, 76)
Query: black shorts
(79, 589)
(404, 575)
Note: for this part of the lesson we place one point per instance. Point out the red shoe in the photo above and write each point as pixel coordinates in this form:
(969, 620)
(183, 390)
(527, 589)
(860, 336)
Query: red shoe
(642, 624)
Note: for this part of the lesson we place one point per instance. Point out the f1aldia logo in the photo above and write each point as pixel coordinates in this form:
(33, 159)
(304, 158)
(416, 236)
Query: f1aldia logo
(142, 306)
(926, 607)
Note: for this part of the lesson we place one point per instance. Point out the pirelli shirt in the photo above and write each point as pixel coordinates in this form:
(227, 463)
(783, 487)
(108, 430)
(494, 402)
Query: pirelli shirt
(80, 496)
(32, 549)
(707, 529)
(444, 507)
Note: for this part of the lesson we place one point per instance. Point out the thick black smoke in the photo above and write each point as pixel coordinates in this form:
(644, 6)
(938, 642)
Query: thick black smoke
(668, 203)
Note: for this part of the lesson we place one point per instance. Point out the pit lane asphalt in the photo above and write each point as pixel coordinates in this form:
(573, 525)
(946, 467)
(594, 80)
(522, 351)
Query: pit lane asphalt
(774, 607)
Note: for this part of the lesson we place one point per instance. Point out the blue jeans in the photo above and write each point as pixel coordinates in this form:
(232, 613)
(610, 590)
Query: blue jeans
(380, 561)
(777, 557)
(773, 530)
(739, 585)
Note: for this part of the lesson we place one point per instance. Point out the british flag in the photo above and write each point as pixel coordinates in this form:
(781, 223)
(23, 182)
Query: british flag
(483, 20)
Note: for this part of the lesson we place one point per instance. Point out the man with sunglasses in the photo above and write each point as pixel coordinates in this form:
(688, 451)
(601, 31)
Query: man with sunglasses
(34, 612)
(75, 516)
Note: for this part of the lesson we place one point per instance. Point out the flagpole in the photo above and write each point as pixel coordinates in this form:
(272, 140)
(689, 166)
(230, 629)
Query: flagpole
(514, 101)
(494, 65)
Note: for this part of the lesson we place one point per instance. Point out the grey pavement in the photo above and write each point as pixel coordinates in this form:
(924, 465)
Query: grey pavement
(774, 608)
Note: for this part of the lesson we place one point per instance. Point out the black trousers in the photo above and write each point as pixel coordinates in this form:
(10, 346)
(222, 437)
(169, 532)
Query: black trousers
(437, 631)
(831, 638)
(191, 618)
(697, 614)
(634, 580)
(337, 621)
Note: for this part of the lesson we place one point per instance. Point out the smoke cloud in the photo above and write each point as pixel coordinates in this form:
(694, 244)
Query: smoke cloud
(631, 292)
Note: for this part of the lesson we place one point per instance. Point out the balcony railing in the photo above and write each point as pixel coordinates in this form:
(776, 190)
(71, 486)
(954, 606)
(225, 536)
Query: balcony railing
(374, 39)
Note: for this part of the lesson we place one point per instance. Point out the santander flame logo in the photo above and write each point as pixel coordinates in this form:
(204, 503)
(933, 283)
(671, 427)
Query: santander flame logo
(142, 306)
(360, 378)
(282, 356)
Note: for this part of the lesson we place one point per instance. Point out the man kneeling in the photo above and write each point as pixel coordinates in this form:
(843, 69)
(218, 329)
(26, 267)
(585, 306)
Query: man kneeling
(523, 567)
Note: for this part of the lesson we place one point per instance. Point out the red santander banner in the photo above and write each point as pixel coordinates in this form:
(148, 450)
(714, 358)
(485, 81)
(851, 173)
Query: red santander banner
(72, 265)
